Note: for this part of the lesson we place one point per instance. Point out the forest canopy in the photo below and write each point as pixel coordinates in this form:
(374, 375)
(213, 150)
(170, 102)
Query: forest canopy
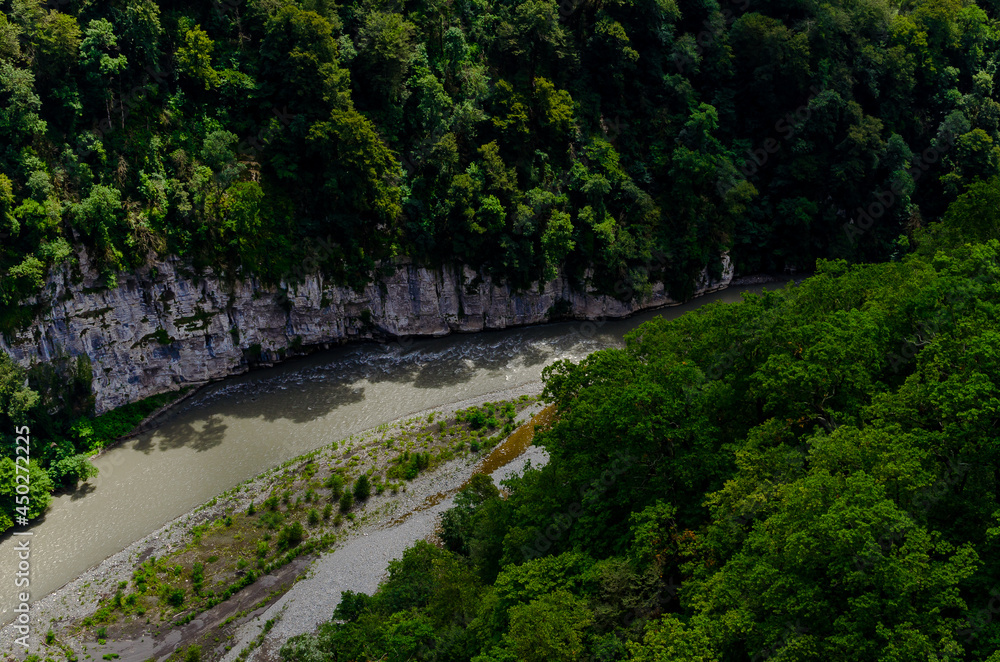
(638, 138)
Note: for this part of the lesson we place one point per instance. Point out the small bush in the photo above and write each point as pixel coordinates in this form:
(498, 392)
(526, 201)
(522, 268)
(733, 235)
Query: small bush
(362, 488)
(251, 510)
(192, 654)
(272, 519)
(262, 548)
(291, 535)
(198, 576)
(327, 511)
(173, 596)
(346, 502)
(476, 418)
(336, 484)
(241, 563)
(271, 503)
(313, 517)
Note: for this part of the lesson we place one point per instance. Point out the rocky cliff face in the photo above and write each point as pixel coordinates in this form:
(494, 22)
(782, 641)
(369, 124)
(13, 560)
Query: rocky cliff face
(162, 328)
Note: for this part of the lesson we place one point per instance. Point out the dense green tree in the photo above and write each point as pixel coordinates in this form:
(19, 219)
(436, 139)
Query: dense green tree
(549, 628)
(362, 488)
(194, 58)
(39, 490)
(99, 56)
(975, 214)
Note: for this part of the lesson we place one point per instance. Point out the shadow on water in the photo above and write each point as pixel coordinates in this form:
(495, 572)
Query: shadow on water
(211, 434)
(310, 388)
(81, 491)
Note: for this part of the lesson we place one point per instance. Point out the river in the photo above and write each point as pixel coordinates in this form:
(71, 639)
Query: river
(239, 427)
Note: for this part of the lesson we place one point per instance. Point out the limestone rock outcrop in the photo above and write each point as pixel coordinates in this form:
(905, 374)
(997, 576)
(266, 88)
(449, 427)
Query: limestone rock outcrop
(162, 328)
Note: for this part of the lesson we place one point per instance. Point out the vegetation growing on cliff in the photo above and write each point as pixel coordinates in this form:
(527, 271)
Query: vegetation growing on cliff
(55, 402)
(811, 474)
